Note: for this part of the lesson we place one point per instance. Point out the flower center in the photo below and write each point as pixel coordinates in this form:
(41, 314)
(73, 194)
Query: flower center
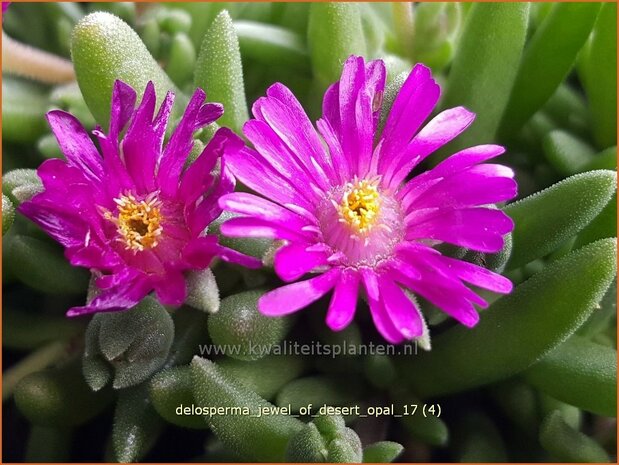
(360, 205)
(138, 222)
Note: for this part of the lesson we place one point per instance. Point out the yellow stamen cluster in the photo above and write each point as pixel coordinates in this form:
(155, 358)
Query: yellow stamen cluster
(360, 205)
(138, 222)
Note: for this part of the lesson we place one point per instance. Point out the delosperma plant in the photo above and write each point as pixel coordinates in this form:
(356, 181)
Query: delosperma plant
(317, 232)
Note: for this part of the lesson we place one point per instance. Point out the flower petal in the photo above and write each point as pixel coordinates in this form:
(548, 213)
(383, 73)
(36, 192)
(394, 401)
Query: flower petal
(479, 229)
(288, 299)
(381, 319)
(292, 261)
(172, 290)
(281, 110)
(123, 104)
(344, 301)
(439, 131)
(401, 310)
(412, 106)
(75, 144)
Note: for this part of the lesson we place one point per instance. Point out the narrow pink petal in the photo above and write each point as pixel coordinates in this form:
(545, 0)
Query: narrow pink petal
(283, 112)
(344, 301)
(199, 253)
(208, 209)
(331, 107)
(414, 103)
(381, 319)
(123, 296)
(288, 299)
(479, 185)
(75, 144)
(474, 228)
(255, 227)
(123, 104)
(232, 256)
(197, 178)
(447, 295)
(402, 311)
(292, 261)
(140, 146)
(172, 290)
(258, 207)
(476, 275)
(351, 81)
(341, 165)
(466, 158)
(253, 171)
(367, 113)
(179, 146)
(285, 162)
(443, 128)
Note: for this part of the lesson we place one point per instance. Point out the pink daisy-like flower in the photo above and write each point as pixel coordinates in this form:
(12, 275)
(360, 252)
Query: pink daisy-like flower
(340, 201)
(132, 213)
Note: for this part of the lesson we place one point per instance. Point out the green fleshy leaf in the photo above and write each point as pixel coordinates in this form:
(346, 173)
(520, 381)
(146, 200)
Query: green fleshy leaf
(29, 330)
(202, 15)
(547, 60)
(48, 147)
(203, 292)
(518, 401)
(429, 430)
(566, 153)
(189, 333)
(42, 266)
(540, 314)
(436, 26)
(572, 415)
(21, 185)
(8, 214)
(59, 397)
(254, 438)
(325, 439)
(605, 160)
(171, 393)
(580, 373)
(568, 109)
(265, 376)
(219, 71)
(182, 59)
(24, 105)
(242, 330)
(479, 440)
(49, 444)
(136, 425)
(545, 220)
(379, 370)
(124, 10)
(334, 33)
(603, 317)
(382, 452)
(335, 391)
(105, 48)
(174, 20)
(567, 444)
(485, 67)
(135, 343)
(600, 76)
(307, 446)
(604, 225)
(272, 45)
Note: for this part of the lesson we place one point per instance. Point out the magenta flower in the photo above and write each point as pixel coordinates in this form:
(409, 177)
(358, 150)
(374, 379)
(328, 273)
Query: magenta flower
(133, 214)
(343, 206)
